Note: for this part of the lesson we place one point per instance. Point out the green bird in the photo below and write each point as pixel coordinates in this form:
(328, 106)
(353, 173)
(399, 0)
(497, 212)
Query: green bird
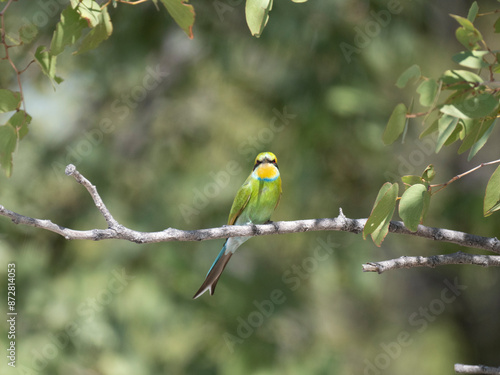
(255, 201)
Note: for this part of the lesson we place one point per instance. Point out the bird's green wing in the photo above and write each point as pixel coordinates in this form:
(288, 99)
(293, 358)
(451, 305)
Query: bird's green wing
(281, 192)
(240, 201)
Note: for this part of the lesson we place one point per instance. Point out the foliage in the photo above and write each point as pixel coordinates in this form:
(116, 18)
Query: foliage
(111, 307)
(85, 24)
(460, 106)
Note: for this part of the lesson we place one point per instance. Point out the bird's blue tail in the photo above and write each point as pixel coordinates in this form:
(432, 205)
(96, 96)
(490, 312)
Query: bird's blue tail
(218, 257)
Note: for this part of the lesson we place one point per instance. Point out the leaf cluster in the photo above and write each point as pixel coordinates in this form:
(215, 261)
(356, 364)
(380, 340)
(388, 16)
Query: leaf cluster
(459, 106)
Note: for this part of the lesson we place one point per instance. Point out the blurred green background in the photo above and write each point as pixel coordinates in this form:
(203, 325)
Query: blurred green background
(158, 123)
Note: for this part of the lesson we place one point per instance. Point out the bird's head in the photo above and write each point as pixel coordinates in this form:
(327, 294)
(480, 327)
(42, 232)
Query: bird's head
(266, 166)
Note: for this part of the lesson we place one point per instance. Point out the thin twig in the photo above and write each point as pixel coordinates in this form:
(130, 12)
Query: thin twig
(3, 41)
(442, 186)
(476, 369)
(340, 223)
(432, 261)
(71, 171)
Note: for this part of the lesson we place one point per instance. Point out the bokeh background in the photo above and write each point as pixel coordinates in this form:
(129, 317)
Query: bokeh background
(167, 129)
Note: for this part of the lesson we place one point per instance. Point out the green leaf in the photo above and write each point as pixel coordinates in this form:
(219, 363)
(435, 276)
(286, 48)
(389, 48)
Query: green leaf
(8, 142)
(471, 59)
(429, 173)
(89, 10)
(257, 15)
(98, 34)
(47, 62)
(433, 127)
(446, 126)
(27, 33)
(20, 121)
(412, 204)
(497, 25)
(395, 125)
(182, 13)
(472, 107)
(427, 90)
(464, 22)
(492, 194)
(455, 135)
(469, 38)
(460, 79)
(413, 72)
(410, 180)
(377, 224)
(474, 130)
(68, 31)
(9, 100)
(471, 16)
(481, 142)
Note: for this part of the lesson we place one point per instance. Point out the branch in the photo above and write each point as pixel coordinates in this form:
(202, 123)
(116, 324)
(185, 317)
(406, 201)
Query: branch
(476, 369)
(442, 186)
(432, 261)
(341, 223)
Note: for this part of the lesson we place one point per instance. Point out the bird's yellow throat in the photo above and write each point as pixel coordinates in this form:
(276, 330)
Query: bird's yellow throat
(267, 171)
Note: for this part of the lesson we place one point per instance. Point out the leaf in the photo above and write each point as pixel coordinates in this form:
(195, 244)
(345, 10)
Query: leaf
(433, 127)
(481, 142)
(492, 194)
(497, 25)
(412, 204)
(98, 34)
(455, 135)
(47, 62)
(464, 22)
(469, 38)
(429, 173)
(474, 130)
(395, 125)
(460, 79)
(89, 10)
(9, 100)
(8, 142)
(474, 8)
(377, 224)
(413, 72)
(446, 126)
(427, 90)
(182, 13)
(68, 31)
(471, 59)
(257, 15)
(410, 180)
(20, 121)
(27, 33)
(472, 107)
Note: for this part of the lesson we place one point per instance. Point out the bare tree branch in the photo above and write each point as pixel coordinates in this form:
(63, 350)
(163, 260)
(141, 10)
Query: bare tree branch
(432, 261)
(341, 223)
(476, 369)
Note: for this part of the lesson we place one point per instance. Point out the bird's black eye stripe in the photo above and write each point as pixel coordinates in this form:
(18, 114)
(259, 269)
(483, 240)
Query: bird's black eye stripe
(257, 163)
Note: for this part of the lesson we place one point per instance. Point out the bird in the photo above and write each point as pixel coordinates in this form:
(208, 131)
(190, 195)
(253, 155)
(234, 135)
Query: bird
(254, 203)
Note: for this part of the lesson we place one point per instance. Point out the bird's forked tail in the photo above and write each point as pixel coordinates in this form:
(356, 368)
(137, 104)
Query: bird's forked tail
(215, 272)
